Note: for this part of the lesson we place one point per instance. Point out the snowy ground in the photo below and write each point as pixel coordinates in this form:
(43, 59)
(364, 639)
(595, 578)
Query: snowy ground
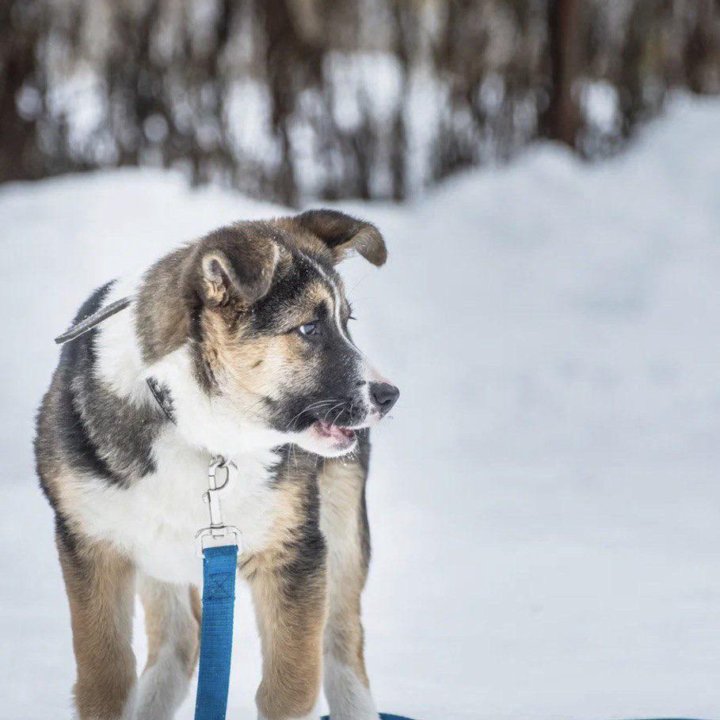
(544, 504)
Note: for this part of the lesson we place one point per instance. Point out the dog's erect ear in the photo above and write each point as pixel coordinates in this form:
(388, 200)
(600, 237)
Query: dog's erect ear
(342, 234)
(220, 283)
(235, 269)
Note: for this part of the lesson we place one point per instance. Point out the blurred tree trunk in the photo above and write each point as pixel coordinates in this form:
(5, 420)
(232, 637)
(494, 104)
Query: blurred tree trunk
(638, 66)
(405, 36)
(292, 63)
(562, 119)
(21, 95)
(702, 49)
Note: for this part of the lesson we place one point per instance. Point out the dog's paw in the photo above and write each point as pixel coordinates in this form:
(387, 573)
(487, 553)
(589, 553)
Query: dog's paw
(348, 697)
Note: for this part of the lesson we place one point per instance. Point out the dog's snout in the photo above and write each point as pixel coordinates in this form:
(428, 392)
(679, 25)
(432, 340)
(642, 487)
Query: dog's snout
(384, 396)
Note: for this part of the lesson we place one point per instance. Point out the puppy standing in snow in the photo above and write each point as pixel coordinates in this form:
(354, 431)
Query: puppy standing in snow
(236, 345)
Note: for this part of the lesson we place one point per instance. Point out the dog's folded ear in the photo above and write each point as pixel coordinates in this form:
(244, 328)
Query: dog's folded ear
(343, 234)
(232, 268)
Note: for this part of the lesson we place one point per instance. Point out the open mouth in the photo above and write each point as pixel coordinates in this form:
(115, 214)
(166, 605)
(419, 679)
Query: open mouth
(339, 436)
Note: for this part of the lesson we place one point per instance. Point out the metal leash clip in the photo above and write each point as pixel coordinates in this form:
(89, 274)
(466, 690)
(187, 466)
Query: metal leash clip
(217, 533)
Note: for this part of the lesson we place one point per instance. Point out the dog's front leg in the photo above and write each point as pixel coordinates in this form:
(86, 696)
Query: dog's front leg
(290, 603)
(100, 588)
(343, 520)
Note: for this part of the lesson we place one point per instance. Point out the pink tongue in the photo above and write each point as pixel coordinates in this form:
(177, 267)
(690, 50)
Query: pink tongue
(334, 431)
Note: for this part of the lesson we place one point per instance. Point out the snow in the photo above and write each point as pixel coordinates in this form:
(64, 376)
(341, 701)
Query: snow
(544, 503)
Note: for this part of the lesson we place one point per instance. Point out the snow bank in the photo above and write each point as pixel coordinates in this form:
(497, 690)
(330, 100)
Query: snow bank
(544, 502)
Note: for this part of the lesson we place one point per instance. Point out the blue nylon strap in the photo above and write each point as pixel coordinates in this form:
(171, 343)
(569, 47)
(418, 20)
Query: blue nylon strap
(219, 568)
(383, 716)
(388, 716)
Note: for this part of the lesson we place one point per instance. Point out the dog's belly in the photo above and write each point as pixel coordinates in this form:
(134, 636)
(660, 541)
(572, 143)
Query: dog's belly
(154, 521)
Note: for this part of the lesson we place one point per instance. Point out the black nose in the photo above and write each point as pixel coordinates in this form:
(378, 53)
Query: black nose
(384, 395)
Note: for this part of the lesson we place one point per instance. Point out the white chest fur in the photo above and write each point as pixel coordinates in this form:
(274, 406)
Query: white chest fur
(155, 520)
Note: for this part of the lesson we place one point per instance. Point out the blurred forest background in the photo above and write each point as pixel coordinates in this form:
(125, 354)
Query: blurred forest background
(296, 99)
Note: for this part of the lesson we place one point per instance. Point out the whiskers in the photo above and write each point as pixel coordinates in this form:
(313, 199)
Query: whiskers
(317, 406)
(341, 405)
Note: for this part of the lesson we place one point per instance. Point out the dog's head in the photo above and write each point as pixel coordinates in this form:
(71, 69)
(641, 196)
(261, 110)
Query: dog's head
(269, 320)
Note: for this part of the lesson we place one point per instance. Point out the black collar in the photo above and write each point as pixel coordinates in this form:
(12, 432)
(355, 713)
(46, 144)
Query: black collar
(162, 395)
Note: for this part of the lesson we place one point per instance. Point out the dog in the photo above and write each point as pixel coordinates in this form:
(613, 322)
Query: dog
(236, 345)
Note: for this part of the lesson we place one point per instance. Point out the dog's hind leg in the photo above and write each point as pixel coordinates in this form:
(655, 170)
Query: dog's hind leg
(343, 521)
(172, 621)
(100, 588)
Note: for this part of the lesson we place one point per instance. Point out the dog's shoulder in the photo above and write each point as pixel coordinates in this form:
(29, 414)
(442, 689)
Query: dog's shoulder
(85, 427)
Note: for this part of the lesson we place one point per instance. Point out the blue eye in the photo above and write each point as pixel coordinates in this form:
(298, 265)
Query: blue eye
(308, 328)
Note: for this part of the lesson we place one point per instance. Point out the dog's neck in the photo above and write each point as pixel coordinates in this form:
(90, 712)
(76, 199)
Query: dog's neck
(206, 422)
(211, 422)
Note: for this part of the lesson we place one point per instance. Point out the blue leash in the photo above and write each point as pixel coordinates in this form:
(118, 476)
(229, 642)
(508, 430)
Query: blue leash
(219, 568)
(383, 716)
(219, 545)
